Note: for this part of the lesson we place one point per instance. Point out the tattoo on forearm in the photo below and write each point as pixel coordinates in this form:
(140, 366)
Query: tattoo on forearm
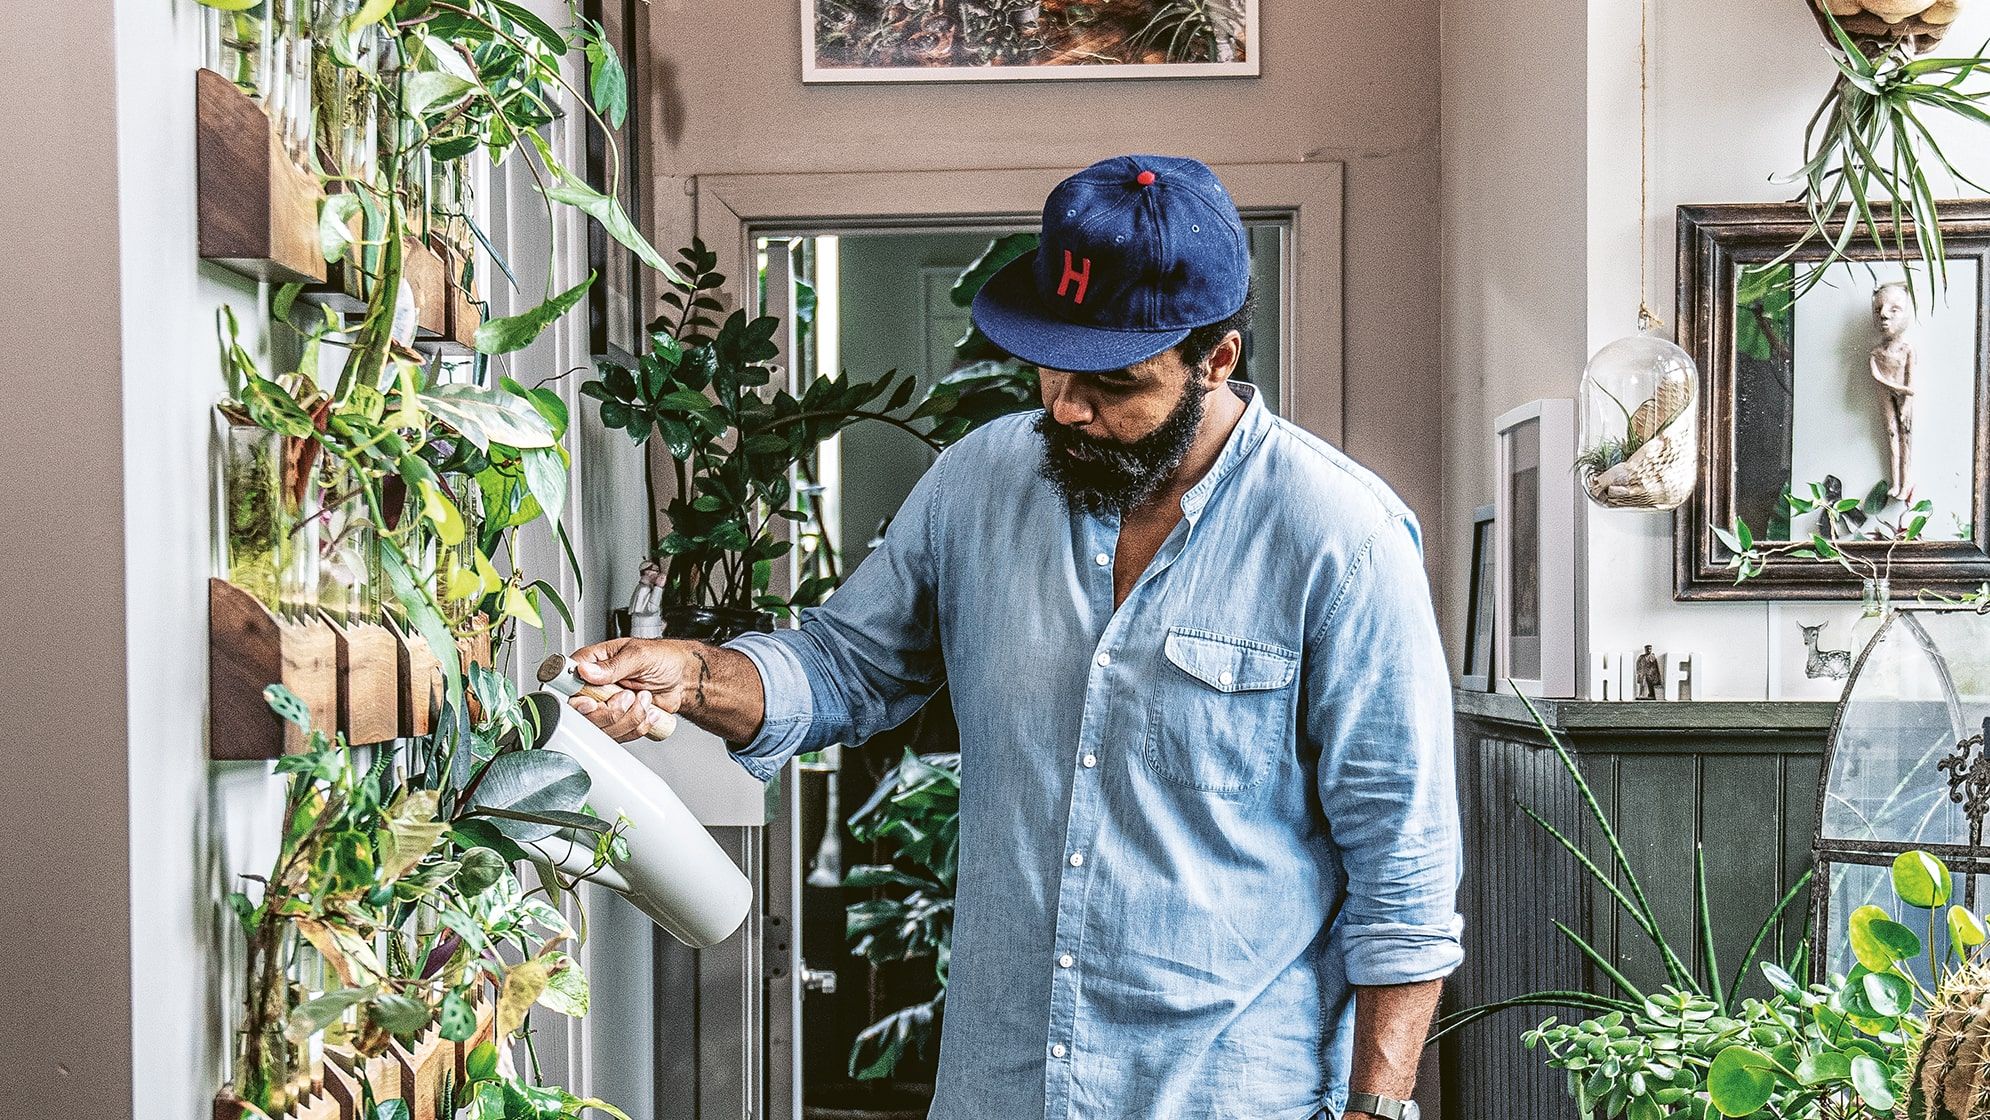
(704, 674)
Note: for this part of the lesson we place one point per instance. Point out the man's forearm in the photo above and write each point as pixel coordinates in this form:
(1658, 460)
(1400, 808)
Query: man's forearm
(1390, 1026)
(722, 692)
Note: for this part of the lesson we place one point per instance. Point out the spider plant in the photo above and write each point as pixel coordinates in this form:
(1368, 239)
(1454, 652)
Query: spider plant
(1869, 148)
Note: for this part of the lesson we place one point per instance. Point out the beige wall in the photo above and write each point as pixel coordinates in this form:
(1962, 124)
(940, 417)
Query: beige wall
(65, 1043)
(1343, 82)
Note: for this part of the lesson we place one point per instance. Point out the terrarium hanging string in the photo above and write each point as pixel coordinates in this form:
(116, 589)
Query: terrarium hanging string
(1639, 399)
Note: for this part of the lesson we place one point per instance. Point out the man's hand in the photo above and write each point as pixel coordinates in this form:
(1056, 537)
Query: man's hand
(651, 672)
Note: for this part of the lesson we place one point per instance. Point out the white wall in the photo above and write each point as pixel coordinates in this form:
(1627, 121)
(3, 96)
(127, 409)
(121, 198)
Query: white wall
(1730, 89)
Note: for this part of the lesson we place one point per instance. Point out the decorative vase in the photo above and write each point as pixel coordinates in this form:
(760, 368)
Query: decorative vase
(238, 48)
(1875, 599)
(1640, 415)
(252, 482)
(1883, 24)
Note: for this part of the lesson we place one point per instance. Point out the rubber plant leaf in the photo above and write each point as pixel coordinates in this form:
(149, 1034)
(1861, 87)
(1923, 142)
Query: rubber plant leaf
(528, 782)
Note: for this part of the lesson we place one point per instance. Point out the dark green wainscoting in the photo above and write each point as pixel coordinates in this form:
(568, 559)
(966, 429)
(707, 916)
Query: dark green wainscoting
(1739, 778)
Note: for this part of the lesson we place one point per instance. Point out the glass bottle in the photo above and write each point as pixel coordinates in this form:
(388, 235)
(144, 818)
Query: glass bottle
(298, 592)
(252, 486)
(1875, 599)
(1640, 418)
(239, 48)
(341, 563)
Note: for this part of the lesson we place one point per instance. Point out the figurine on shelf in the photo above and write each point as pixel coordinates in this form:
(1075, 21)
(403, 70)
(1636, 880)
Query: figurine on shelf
(1892, 365)
(1649, 681)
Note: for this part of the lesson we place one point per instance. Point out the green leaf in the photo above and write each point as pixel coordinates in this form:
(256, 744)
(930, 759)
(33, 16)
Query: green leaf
(401, 1015)
(546, 477)
(530, 782)
(1921, 880)
(1965, 929)
(479, 868)
(607, 83)
(456, 1018)
(999, 253)
(411, 833)
(1869, 1078)
(1741, 1081)
(612, 217)
(231, 5)
(315, 1015)
(566, 987)
(516, 332)
(489, 416)
(539, 28)
(334, 234)
(481, 1063)
(1880, 942)
(1887, 993)
(429, 88)
(287, 706)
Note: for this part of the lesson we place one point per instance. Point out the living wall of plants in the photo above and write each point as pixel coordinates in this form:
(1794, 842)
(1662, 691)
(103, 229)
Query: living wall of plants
(374, 481)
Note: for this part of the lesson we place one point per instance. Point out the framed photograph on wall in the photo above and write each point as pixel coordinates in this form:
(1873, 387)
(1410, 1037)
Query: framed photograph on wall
(1537, 549)
(1476, 661)
(995, 40)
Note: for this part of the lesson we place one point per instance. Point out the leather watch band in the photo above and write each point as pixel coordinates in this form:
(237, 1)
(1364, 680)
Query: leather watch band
(1387, 1108)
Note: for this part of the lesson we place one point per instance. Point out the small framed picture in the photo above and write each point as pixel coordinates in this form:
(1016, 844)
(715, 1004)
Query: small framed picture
(1476, 662)
(886, 41)
(1537, 549)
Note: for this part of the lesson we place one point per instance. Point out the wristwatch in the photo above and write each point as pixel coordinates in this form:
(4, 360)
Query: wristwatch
(1385, 1107)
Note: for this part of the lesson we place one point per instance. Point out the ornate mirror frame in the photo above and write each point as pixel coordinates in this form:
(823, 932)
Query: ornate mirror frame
(1715, 242)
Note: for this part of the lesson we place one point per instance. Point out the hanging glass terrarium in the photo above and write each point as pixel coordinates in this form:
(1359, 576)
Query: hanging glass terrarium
(1907, 768)
(1639, 435)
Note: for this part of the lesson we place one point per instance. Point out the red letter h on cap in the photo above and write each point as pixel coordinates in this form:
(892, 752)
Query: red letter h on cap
(1082, 275)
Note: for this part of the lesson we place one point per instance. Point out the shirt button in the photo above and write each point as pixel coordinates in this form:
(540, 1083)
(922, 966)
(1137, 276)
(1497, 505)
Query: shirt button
(1102, 560)
(1066, 961)
(1103, 660)
(1224, 677)
(1057, 1051)
(1091, 760)
(1077, 859)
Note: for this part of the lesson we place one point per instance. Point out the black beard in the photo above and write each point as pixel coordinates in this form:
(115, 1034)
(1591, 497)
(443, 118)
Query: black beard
(1105, 476)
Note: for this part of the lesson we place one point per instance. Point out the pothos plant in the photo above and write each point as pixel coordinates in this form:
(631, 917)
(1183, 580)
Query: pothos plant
(406, 888)
(1838, 518)
(405, 892)
(1695, 1048)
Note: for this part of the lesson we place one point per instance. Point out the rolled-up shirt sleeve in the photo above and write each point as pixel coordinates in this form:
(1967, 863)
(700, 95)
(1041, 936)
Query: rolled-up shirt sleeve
(866, 659)
(1379, 712)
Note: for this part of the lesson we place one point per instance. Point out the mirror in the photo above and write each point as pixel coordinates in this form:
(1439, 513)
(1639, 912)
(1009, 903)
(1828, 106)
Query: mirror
(1851, 413)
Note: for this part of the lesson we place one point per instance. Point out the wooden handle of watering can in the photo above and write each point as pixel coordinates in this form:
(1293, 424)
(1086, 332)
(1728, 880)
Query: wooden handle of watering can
(661, 723)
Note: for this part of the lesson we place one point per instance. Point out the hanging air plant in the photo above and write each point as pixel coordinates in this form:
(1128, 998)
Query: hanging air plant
(1870, 148)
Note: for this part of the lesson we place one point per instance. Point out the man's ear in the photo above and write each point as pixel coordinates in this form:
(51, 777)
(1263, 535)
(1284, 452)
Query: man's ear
(1222, 361)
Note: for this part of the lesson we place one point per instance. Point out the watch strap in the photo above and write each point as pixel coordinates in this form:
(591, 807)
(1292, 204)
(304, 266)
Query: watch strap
(1388, 1108)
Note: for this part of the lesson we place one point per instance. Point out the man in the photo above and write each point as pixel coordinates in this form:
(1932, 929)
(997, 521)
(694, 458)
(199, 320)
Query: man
(1209, 840)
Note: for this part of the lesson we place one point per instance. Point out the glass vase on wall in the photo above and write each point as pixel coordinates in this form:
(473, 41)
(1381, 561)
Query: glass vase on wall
(1639, 417)
(345, 106)
(238, 48)
(252, 486)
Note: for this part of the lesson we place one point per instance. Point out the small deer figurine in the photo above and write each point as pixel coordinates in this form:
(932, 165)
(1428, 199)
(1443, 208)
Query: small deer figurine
(1835, 664)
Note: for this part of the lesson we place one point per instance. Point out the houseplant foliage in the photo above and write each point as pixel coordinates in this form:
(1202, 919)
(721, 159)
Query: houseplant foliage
(705, 390)
(1871, 159)
(915, 813)
(397, 877)
(1857, 1047)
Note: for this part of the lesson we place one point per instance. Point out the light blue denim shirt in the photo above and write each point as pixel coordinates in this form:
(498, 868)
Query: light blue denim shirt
(1189, 825)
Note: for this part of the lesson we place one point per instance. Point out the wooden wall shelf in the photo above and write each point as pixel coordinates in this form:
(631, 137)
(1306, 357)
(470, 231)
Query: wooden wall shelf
(249, 649)
(369, 681)
(258, 210)
(427, 277)
(462, 316)
(412, 1074)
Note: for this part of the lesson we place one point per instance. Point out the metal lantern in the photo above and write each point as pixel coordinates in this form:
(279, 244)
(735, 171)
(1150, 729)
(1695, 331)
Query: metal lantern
(1906, 768)
(1640, 416)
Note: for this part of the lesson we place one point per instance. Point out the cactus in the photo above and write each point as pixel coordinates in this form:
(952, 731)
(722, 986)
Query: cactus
(1950, 1077)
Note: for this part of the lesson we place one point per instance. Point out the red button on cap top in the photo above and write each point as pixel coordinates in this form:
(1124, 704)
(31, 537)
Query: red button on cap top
(1145, 178)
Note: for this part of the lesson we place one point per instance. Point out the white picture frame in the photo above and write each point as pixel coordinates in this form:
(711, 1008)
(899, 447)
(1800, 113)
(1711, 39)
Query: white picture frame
(1538, 550)
(816, 68)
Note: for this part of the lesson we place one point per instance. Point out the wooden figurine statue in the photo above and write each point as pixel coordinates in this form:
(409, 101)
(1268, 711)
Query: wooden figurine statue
(1892, 367)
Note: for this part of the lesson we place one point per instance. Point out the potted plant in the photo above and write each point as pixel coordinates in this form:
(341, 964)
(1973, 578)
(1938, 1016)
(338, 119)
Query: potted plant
(1871, 159)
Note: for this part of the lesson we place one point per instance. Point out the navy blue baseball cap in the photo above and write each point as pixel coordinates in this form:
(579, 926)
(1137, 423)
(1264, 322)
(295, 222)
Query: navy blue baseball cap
(1136, 252)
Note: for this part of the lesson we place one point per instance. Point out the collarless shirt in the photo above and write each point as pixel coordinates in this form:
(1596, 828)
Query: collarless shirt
(1189, 825)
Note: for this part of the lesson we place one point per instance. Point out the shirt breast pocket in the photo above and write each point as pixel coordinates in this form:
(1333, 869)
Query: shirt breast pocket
(1224, 715)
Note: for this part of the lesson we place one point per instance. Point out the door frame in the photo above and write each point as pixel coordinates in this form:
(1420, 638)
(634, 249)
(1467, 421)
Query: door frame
(733, 211)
